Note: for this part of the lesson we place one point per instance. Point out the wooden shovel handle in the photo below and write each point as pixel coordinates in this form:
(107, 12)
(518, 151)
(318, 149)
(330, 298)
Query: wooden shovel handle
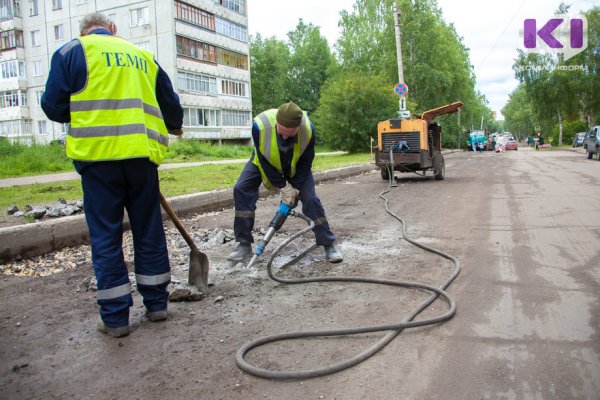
(178, 224)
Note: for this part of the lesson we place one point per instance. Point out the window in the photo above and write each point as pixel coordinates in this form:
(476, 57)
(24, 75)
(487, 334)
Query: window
(209, 53)
(232, 59)
(11, 39)
(37, 68)
(56, 4)
(232, 30)
(59, 32)
(194, 15)
(12, 69)
(14, 127)
(35, 38)
(9, 9)
(233, 88)
(196, 83)
(194, 49)
(144, 45)
(38, 97)
(235, 5)
(140, 17)
(42, 127)
(201, 117)
(13, 98)
(236, 118)
(33, 7)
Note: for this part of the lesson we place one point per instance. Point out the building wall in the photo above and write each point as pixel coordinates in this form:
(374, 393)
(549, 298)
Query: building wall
(156, 33)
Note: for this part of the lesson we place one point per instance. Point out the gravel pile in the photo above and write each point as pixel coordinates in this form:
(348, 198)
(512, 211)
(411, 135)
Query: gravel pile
(36, 212)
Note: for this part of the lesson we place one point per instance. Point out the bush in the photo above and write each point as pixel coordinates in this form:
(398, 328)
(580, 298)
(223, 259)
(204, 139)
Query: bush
(570, 128)
(351, 105)
(19, 159)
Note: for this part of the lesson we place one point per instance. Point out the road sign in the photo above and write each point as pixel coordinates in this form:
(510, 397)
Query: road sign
(402, 103)
(404, 114)
(401, 89)
(537, 128)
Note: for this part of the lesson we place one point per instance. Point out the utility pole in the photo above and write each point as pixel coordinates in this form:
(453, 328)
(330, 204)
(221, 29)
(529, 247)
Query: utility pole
(459, 133)
(399, 52)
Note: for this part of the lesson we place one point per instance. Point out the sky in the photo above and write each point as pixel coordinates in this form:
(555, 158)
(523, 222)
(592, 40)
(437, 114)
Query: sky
(491, 30)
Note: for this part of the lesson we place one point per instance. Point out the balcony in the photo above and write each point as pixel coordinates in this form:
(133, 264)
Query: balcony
(11, 23)
(12, 113)
(9, 10)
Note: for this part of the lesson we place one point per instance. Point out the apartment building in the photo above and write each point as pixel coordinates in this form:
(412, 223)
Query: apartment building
(201, 44)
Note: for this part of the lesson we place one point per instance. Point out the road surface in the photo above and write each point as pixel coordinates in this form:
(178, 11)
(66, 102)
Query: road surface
(524, 224)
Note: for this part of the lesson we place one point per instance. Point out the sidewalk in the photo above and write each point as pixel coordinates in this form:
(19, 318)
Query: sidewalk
(69, 176)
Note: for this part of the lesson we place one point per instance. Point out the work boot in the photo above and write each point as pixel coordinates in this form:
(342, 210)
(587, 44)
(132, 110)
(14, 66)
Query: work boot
(332, 254)
(243, 250)
(114, 332)
(156, 316)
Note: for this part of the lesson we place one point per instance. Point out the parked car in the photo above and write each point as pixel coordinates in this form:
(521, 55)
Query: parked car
(512, 144)
(592, 143)
(579, 139)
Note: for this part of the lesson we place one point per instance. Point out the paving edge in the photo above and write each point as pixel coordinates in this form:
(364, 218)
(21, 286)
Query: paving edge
(39, 238)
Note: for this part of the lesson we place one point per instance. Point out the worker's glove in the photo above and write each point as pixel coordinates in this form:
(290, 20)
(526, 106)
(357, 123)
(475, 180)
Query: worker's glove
(289, 195)
(176, 132)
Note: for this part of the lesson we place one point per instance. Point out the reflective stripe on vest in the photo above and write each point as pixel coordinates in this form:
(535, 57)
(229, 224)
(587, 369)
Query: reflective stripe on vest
(267, 124)
(116, 115)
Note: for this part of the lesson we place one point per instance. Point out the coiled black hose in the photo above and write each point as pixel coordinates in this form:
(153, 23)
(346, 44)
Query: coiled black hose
(394, 328)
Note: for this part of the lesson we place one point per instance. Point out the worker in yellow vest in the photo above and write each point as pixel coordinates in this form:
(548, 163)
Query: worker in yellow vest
(284, 149)
(121, 107)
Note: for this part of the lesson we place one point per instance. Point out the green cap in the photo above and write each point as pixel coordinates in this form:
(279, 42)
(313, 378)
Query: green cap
(289, 115)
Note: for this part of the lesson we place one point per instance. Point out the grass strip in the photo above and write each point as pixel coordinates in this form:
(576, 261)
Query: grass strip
(173, 182)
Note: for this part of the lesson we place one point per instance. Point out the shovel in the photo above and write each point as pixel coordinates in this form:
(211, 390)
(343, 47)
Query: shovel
(198, 272)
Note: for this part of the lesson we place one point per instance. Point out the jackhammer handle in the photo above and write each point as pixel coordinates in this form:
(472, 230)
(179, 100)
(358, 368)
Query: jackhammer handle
(186, 236)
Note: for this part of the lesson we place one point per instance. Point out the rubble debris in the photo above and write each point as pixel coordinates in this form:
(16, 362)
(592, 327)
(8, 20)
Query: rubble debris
(59, 209)
(184, 294)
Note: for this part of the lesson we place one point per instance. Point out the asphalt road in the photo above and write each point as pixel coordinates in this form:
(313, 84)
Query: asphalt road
(529, 323)
(524, 224)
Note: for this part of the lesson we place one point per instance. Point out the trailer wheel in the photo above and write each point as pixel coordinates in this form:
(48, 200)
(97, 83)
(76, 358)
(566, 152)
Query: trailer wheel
(439, 168)
(385, 175)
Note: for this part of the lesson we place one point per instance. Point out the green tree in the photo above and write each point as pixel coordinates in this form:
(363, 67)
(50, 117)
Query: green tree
(561, 91)
(436, 63)
(518, 113)
(270, 63)
(310, 63)
(590, 59)
(351, 106)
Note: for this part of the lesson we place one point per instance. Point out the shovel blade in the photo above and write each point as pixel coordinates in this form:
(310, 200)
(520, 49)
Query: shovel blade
(198, 271)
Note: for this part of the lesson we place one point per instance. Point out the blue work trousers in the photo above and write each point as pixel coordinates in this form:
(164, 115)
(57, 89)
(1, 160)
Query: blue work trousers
(245, 195)
(109, 187)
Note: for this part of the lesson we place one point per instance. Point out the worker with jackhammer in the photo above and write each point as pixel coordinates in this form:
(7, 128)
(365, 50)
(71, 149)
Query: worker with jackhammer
(284, 149)
(121, 107)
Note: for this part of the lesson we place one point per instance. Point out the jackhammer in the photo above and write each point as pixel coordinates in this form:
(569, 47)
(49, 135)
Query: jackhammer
(276, 223)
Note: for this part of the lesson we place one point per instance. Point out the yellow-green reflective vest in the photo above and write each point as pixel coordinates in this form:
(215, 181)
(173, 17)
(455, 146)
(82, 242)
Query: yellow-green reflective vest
(116, 115)
(267, 125)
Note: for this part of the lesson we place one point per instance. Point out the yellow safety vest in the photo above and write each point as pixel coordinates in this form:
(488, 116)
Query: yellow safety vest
(267, 125)
(116, 116)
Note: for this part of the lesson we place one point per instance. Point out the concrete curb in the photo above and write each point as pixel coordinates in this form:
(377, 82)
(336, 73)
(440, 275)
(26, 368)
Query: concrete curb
(43, 237)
